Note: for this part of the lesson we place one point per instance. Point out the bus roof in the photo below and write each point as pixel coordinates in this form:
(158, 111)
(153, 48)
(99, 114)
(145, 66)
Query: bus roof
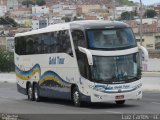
(84, 24)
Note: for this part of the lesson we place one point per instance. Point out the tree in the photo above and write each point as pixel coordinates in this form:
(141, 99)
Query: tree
(126, 2)
(127, 16)
(40, 2)
(6, 61)
(150, 13)
(27, 3)
(66, 19)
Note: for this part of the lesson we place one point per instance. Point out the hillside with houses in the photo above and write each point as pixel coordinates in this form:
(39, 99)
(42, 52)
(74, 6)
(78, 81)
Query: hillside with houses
(25, 15)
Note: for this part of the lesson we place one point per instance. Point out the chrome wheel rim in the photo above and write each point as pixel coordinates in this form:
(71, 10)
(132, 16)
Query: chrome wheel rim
(76, 97)
(30, 93)
(36, 93)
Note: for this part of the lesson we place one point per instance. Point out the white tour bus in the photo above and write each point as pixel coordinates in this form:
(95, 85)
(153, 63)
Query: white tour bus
(92, 61)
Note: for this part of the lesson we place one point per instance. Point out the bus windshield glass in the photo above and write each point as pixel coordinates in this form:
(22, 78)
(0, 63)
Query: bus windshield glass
(110, 38)
(115, 69)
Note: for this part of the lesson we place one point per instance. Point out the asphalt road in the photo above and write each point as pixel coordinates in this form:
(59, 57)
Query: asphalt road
(13, 102)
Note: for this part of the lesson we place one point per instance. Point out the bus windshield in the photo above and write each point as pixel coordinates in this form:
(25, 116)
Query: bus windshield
(115, 69)
(111, 38)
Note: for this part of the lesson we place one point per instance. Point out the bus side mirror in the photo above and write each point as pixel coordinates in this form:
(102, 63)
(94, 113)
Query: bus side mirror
(144, 52)
(88, 53)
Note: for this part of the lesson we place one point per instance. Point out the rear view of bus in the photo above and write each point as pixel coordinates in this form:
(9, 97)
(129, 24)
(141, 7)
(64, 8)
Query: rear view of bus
(109, 61)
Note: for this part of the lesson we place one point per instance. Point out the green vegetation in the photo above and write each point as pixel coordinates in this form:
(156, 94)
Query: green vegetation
(27, 3)
(126, 2)
(6, 61)
(33, 2)
(40, 2)
(150, 13)
(8, 21)
(127, 15)
(66, 19)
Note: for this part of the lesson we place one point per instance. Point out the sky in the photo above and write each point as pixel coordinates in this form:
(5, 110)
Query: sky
(148, 2)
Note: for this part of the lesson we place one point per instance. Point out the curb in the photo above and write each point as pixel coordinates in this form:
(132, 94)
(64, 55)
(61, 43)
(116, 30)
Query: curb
(150, 74)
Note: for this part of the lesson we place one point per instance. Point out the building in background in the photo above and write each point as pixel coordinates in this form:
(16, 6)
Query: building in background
(12, 5)
(39, 23)
(121, 9)
(40, 10)
(10, 44)
(89, 8)
(151, 33)
(3, 10)
(3, 2)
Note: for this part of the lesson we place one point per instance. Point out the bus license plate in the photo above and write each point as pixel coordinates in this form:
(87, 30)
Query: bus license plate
(119, 97)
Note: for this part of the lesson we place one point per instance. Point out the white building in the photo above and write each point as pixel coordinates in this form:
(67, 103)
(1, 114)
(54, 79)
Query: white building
(55, 20)
(3, 10)
(10, 44)
(63, 10)
(35, 24)
(12, 5)
(120, 10)
(40, 10)
(57, 8)
(41, 23)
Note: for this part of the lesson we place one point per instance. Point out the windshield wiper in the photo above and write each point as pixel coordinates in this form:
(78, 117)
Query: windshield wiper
(114, 78)
(130, 77)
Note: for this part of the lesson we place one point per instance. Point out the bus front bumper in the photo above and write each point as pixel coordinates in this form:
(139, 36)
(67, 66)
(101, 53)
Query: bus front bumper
(98, 96)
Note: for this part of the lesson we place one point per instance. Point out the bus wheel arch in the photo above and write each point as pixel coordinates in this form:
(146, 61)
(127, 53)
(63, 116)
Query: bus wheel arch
(75, 95)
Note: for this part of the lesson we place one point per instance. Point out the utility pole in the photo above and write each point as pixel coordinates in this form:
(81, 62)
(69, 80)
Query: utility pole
(114, 16)
(27, 4)
(141, 22)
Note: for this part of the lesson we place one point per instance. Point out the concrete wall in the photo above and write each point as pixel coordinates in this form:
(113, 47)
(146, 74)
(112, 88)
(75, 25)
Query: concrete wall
(2, 42)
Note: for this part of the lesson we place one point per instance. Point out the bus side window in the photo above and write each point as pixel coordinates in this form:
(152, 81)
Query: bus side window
(29, 45)
(67, 43)
(21, 46)
(78, 38)
(83, 65)
(63, 43)
(45, 43)
(53, 45)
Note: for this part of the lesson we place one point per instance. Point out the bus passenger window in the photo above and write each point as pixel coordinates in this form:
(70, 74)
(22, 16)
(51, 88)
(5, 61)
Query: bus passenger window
(78, 38)
(67, 44)
(63, 43)
(29, 45)
(20, 46)
(45, 43)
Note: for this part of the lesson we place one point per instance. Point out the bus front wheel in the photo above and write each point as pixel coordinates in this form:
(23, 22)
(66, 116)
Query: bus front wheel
(76, 97)
(121, 102)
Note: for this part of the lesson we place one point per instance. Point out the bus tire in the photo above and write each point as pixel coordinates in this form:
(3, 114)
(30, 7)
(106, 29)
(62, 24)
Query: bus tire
(121, 102)
(30, 92)
(76, 97)
(37, 97)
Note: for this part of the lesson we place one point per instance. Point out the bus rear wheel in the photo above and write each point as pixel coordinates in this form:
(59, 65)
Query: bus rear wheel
(121, 102)
(76, 97)
(36, 93)
(30, 92)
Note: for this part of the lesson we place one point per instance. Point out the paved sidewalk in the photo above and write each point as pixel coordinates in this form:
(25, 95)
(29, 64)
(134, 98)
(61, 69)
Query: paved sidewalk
(8, 77)
(151, 74)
